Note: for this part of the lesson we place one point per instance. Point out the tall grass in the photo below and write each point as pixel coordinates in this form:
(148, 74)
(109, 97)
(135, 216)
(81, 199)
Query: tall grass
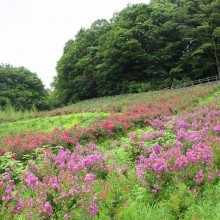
(9, 114)
(141, 211)
(47, 123)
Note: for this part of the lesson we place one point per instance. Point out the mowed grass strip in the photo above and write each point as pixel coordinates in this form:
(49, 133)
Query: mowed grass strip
(49, 123)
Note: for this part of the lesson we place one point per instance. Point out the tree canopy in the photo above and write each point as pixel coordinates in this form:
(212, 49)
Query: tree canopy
(21, 88)
(143, 47)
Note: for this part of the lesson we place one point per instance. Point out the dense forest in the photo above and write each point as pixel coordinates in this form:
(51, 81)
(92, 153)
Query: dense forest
(143, 47)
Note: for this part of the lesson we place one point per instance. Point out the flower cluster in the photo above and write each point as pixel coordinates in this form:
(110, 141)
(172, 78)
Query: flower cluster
(66, 180)
(190, 156)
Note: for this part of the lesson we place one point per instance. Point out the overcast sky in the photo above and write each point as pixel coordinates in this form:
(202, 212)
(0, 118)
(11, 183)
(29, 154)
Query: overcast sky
(34, 32)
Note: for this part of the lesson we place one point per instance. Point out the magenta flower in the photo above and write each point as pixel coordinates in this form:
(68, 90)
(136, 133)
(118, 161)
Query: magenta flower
(199, 177)
(89, 177)
(31, 180)
(93, 209)
(66, 216)
(47, 208)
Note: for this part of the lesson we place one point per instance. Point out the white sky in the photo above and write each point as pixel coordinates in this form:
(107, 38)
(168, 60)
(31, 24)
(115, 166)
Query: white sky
(34, 32)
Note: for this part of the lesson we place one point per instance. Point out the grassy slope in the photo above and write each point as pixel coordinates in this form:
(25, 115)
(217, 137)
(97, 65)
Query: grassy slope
(212, 97)
(96, 108)
(48, 123)
(98, 105)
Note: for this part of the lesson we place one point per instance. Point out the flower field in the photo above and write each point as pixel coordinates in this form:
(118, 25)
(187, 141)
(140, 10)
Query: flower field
(153, 156)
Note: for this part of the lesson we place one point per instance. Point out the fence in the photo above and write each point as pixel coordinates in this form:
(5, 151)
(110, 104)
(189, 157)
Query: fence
(212, 79)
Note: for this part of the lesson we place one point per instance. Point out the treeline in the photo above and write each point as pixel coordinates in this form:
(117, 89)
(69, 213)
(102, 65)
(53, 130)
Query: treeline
(143, 47)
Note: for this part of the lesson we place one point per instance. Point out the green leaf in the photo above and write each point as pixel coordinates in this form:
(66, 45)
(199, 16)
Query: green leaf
(216, 32)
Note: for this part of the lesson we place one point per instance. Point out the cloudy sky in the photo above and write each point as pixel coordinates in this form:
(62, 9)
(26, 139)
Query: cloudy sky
(33, 32)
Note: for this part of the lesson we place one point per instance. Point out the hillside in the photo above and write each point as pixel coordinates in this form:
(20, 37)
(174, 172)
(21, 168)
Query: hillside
(150, 155)
(116, 137)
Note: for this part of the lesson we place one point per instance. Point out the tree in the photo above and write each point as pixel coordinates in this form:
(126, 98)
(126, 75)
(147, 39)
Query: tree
(200, 58)
(143, 47)
(75, 80)
(22, 88)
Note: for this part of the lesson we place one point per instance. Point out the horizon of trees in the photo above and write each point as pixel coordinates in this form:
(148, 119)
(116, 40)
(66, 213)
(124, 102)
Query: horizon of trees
(143, 47)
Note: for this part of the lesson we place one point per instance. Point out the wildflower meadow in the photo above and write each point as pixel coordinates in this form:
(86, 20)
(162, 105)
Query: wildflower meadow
(152, 155)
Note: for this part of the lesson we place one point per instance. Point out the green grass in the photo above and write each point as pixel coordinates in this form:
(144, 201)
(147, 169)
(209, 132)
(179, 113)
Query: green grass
(207, 208)
(11, 115)
(141, 211)
(211, 97)
(48, 123)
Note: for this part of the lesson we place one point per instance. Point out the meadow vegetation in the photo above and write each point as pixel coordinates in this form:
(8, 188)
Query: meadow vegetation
(152, 154)
(49, 123)
(142, 156)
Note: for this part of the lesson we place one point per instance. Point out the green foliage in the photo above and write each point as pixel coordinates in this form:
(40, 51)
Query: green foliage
(206, 208)
(7, 161)
(179, 201)
(143, 47)
(21, 88)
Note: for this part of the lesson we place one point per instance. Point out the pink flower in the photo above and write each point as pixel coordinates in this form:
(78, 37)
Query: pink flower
(66, 216)
(154, 191)
(94, 198)
(199, 177)
(159, 165)
(124, 169)
(31, 180)
(217, 129)
(210, 176)
(89, 177)
(47, 208)
(93, 209)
